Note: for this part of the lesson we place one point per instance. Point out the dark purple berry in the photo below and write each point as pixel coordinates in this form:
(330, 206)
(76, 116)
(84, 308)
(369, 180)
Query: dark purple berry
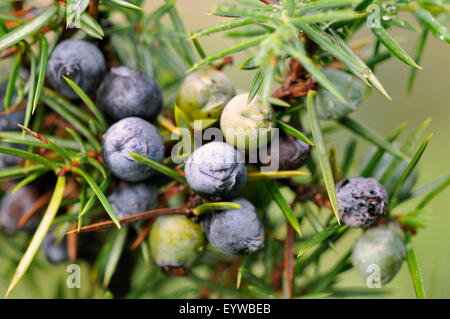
(235, 231)
(125, 93)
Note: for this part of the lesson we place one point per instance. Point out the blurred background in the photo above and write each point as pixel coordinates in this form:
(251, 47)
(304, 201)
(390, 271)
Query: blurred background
(430, 99)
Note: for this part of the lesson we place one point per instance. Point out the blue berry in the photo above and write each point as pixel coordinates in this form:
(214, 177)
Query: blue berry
(235, 231)
(132, 198)
(362, 201)
(379, 248)
(14, 206)
(125, 92)
(216, 171)
(78, 60)
(176, 242)
(8, 122)
(204, 93)
(132, 135)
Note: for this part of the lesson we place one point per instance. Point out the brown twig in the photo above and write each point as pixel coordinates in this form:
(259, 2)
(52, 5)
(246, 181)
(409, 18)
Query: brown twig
(277, 275)
(8, 52)
(288, 259)
(70, 191)
(20, 107)
(289, 255)
(12, 50)
(271, 2)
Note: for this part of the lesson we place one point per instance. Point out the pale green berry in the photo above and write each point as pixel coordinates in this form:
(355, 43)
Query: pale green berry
(204, 93)
(247, 125)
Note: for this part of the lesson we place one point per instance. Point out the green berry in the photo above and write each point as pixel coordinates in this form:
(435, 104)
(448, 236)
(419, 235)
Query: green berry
(328, 106)
(176, 243)
(379, 247)
(362, 201)
(247, 125)
(204, 93)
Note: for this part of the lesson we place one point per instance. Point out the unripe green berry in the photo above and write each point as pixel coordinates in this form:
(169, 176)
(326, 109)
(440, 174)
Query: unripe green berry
(378, 248)
(247, 125)
(13, 206)
(176, 242)
(204, 93)
(328, 106)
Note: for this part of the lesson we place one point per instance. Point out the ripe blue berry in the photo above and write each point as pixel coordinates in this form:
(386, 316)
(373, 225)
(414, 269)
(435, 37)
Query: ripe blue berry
(216, 171)
(362, 201)
(55, 252)
(78, 60)
(125, 93)
(132, 198)
(379, 247)
(204, 93)
(15, 205)
(176, 242)
(247, 125)
(328, 106)
(235, 231)
(132, 135)
(8, 122)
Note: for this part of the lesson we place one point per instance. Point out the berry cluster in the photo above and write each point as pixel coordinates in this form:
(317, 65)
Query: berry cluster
(130, 101)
